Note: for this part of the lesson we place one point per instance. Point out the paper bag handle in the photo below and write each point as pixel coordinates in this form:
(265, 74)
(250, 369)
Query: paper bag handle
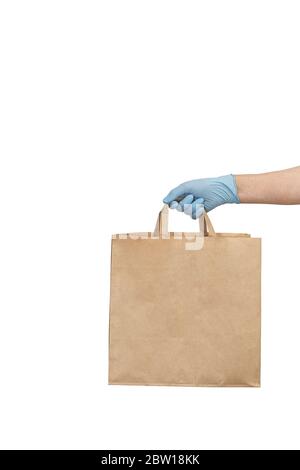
(161, 227)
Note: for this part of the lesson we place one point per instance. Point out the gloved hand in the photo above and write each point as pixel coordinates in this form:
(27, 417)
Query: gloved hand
(195, 196)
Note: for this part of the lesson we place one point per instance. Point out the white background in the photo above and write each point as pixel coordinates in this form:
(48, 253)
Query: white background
(104, 107)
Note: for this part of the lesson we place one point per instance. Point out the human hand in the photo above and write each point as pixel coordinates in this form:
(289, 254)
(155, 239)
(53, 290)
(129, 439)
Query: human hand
(195, 196)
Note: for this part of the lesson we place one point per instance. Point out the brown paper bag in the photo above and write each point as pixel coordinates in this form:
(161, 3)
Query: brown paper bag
(185, 308)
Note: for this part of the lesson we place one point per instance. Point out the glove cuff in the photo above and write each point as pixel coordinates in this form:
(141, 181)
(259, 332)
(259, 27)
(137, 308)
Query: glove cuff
(230, 182)
(236, 195)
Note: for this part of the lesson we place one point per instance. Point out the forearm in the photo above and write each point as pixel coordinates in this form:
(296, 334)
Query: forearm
(278, 187)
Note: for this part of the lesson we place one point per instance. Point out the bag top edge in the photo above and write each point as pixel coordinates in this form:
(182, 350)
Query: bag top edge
(138, 235)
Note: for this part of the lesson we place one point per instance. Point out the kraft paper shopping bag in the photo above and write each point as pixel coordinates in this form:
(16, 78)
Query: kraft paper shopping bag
(185, 308)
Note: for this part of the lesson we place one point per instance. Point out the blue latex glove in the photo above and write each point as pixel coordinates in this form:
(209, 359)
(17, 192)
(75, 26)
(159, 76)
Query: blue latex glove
(195, 196)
